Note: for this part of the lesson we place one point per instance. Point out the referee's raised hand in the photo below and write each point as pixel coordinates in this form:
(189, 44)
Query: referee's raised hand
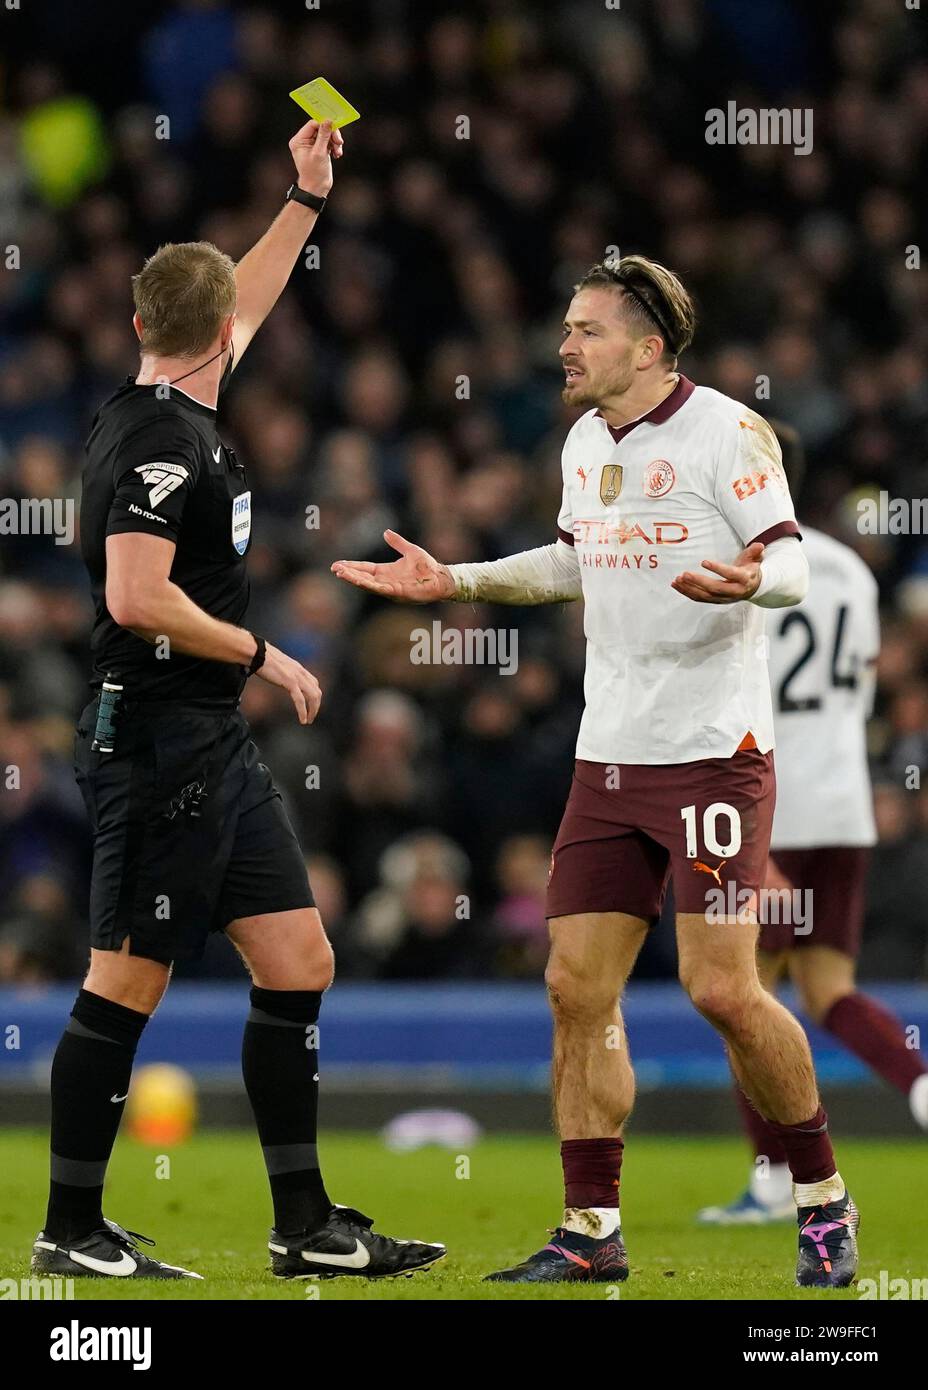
(313, 148)
(301, 685)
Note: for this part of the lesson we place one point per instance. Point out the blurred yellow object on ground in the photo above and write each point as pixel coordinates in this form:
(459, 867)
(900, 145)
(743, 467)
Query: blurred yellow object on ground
(162, 1104)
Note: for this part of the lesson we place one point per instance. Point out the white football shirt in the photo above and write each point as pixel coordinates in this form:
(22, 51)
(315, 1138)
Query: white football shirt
(697, 478)
(822, 679)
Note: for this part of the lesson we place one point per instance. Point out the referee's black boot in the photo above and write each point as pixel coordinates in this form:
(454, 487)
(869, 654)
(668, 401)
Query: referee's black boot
(107, 1253)
(347, 1245)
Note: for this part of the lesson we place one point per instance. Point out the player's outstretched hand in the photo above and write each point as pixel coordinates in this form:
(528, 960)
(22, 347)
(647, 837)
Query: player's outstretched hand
(313, 148)
(416, 577)
(735, 582)
(301, 685)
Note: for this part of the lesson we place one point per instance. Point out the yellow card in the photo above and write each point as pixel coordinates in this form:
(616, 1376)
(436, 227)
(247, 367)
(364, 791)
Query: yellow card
(323, 103)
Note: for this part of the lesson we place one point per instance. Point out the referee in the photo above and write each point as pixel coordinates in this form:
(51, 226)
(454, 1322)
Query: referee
(190, 834)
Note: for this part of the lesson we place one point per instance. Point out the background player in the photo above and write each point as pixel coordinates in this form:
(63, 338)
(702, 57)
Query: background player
(822, 657)
(674, 768)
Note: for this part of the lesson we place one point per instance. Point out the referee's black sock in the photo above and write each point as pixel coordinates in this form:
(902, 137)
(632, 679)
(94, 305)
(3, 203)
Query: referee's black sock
(279, 1063)
(90, 1082)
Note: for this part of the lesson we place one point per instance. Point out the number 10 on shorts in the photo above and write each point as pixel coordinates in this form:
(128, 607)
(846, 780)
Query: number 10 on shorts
(710, 830)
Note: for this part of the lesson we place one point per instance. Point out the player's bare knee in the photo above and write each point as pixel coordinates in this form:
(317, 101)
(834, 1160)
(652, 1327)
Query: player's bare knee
(817, 1000)
(575, 997)
(821, 979)
(721, 1000)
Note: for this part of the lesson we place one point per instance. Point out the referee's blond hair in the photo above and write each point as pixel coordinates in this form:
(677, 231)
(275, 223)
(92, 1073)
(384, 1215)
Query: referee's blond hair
(182, 294)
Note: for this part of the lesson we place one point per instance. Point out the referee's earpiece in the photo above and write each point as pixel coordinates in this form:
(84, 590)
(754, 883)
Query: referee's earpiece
(225, 375)
(227, 370)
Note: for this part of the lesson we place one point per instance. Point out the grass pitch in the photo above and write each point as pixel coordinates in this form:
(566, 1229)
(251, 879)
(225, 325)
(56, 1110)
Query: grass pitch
(212, 1214)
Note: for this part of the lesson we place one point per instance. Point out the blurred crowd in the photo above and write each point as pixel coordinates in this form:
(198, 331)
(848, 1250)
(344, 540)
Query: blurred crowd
(409, 378)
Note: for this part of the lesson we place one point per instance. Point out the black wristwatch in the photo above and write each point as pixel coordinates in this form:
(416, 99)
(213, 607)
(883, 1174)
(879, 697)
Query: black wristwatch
(260, 656)
(309, 200)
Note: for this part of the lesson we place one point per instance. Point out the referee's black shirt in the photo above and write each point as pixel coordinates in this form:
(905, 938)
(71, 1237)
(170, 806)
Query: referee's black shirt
(155, 464)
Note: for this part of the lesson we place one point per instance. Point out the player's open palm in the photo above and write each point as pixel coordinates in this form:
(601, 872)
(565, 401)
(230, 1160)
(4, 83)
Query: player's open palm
(416, 577)
(735, 582)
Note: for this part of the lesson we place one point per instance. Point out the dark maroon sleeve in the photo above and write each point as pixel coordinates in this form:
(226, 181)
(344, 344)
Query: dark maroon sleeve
(564, 536)
(776, 533)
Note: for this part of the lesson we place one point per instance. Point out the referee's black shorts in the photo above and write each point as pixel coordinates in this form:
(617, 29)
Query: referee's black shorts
(166, 881)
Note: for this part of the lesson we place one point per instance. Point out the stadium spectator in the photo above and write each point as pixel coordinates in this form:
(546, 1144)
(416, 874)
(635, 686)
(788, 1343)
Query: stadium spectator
(419, 924)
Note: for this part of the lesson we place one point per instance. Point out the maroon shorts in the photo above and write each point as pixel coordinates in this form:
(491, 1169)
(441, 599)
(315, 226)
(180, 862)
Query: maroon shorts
(832, 882)
(628, 826)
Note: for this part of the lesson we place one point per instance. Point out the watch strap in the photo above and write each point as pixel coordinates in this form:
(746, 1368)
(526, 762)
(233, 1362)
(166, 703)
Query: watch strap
(296, 194)
(260, 656)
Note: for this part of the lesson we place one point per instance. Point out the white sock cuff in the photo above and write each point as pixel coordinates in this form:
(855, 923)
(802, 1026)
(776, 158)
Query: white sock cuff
(819, 1194)
(592, 1221)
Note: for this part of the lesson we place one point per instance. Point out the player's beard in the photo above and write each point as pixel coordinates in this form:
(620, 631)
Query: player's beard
(592, 391)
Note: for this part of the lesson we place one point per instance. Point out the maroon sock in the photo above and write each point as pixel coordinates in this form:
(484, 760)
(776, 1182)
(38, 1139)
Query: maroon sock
(808, 1148)
(874, 1035)
(591, 1172)
(764, 1140)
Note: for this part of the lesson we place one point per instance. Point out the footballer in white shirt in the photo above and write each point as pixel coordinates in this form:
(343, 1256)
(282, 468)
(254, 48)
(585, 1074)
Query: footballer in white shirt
(676, 530)
(822, 658)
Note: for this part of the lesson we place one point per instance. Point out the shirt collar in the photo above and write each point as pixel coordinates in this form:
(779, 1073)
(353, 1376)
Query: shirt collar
(659, 413)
